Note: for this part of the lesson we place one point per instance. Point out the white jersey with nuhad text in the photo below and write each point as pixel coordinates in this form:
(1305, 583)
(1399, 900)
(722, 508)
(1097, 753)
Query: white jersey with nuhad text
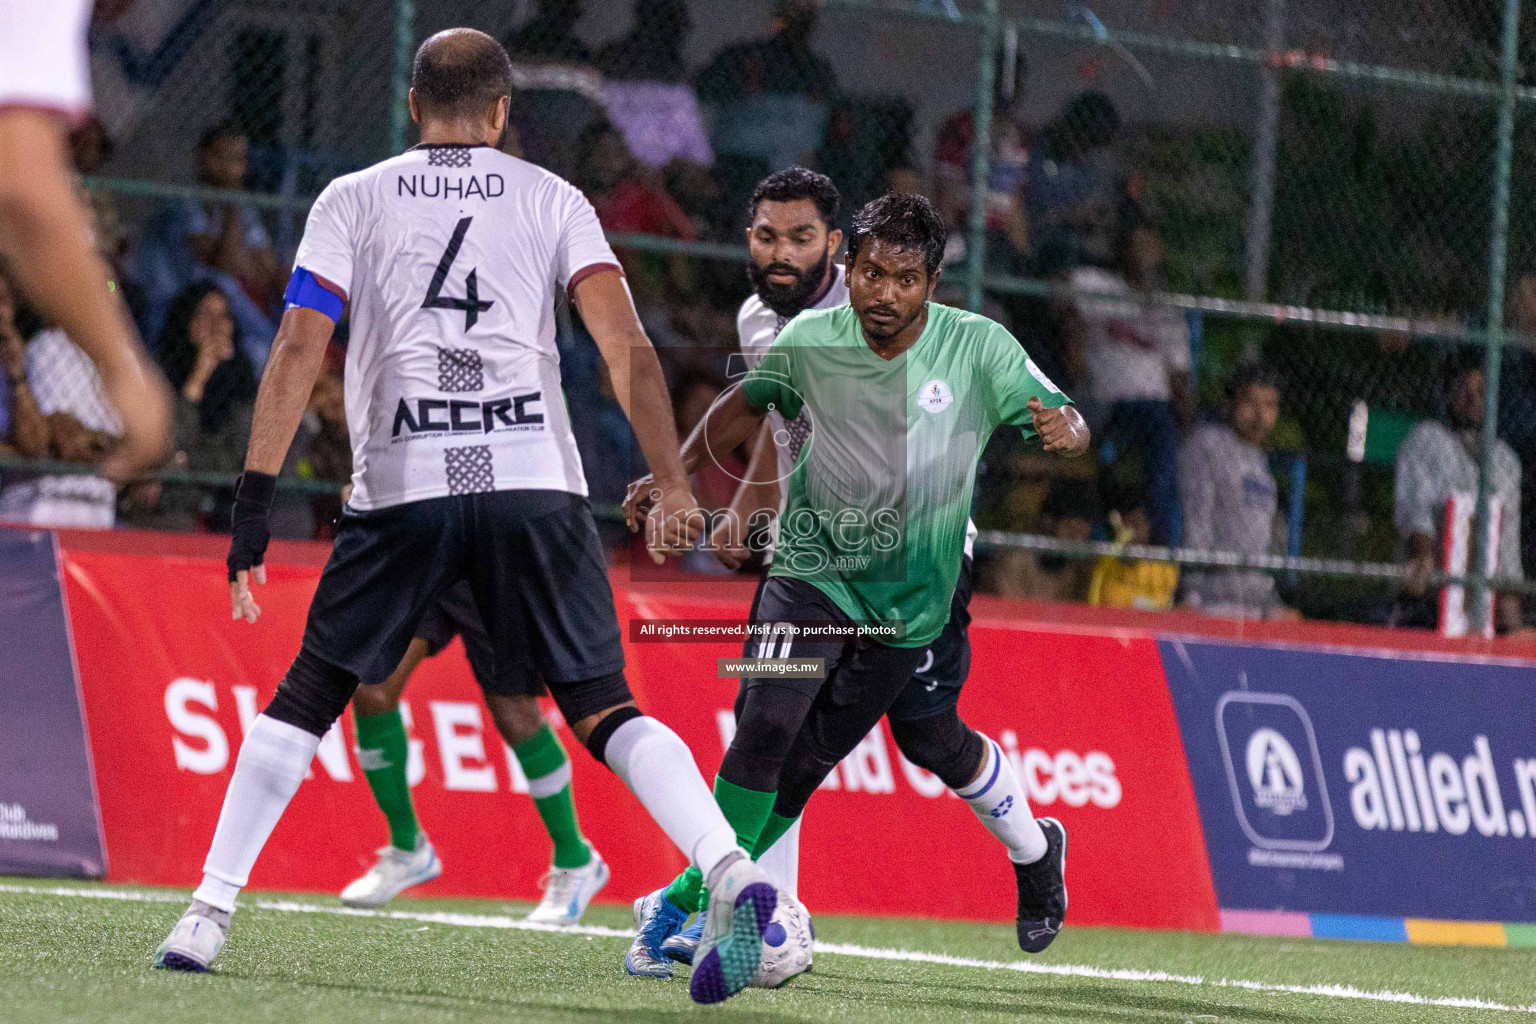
(451, 258)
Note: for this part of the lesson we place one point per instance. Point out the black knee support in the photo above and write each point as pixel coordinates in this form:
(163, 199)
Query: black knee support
(590, 696)
(767, 723)
(312, 695)
(942, 744)
(597, 739)
(804, 770)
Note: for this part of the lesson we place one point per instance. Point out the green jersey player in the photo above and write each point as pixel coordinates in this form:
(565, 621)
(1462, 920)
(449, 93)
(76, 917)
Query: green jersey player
(903, 395)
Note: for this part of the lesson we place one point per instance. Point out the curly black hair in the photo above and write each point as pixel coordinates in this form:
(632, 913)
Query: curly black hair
(794, 183)
(902, 219)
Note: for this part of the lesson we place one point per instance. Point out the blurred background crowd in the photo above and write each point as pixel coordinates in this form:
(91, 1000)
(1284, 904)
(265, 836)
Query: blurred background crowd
(1111, 183)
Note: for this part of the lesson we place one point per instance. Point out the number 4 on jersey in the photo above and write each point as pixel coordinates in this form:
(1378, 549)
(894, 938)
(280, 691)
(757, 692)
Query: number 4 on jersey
(470, 303)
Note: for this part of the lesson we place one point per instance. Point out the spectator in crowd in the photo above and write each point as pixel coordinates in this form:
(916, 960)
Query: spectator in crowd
(1007, 225)
(323, 448)
(653, 49)
(327, 448)
(550, 35)
(189, 240)
(1231, 501)
(215, 389)
(1133, 355)
(610, 455)
(1439, 459)
(626, 198)
(1067, 513)
(81, 426)
(629, 199)
(770, 97)
(23, 427)
(1132, 582)
(867, 150)
(646, 90)
(558, 91)
(214, 382)
(1073, 187)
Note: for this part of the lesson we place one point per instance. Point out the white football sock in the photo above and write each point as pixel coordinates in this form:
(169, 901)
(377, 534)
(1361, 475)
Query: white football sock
(659, 769)
(999, 801)
(781, 862)
(272, 763)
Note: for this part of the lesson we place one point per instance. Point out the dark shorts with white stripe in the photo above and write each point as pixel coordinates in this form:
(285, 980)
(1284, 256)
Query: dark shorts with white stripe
(860, 673)
(941, 670)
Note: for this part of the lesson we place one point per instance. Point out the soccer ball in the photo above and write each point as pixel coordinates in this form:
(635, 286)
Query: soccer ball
(786, 944)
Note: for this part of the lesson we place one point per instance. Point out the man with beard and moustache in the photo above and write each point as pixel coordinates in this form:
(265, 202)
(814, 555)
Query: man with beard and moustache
(792, 243)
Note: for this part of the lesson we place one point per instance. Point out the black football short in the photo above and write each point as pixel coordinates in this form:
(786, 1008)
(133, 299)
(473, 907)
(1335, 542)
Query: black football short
(859, 672)
(936, 684)
(455, 614)
(535, 572)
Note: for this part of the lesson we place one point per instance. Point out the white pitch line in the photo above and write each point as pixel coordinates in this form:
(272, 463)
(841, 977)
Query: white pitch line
(503, 922)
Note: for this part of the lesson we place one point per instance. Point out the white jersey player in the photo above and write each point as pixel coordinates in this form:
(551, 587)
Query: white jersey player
(464, 470)
(45, 85)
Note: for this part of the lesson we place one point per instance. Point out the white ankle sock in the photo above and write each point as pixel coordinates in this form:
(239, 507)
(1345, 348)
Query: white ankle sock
(999, 801)
(272, 763)
(781, 862)
(659, 769)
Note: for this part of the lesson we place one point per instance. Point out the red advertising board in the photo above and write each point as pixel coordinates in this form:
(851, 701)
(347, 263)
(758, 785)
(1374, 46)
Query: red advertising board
(170, 684)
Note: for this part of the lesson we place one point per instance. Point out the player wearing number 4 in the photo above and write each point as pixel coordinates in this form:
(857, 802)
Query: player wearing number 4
(464, 469)
(902, 395)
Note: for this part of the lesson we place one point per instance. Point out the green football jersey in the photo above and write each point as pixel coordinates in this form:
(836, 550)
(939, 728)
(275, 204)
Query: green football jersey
(879, 498)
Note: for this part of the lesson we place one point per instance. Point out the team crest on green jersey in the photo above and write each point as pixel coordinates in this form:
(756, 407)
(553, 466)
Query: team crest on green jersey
(935, 397)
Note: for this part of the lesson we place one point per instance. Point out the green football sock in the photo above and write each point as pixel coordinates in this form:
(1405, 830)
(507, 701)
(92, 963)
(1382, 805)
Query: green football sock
(382, 749)
(548, 771)
(747, 810)
(687, 890)
(772, 832)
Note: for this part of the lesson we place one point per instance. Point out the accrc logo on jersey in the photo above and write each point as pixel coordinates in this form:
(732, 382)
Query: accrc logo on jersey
(935, 397)
(426, 417)
(1275, 773)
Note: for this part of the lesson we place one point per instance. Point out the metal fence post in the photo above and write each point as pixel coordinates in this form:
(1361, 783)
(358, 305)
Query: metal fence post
(981, 160)
(400, 75)
(1261, 203)
(1498, 247)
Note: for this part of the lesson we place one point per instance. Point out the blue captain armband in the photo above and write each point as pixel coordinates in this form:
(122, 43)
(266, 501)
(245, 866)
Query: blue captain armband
(305, 289)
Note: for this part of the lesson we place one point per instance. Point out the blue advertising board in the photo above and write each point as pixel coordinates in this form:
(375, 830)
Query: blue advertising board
(1386, 783)
(49, 822)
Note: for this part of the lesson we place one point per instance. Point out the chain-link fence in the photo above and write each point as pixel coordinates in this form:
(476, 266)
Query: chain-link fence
(1153, 196)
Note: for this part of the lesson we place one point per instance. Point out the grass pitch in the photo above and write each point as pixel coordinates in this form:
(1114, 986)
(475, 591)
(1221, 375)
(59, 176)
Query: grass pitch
(81, 953)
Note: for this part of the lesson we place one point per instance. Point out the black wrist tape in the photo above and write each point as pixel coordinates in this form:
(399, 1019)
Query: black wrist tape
(256, 488)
